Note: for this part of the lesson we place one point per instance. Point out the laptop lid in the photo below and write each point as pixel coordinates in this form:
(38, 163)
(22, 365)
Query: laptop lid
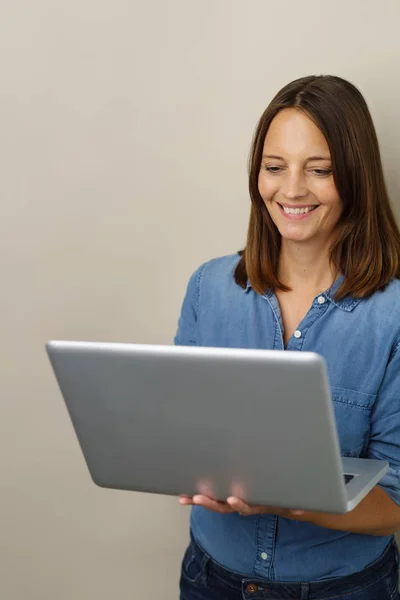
(184, 420)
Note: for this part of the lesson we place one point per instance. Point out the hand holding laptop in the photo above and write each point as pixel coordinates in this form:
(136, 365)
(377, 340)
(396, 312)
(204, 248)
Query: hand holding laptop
(234, 504)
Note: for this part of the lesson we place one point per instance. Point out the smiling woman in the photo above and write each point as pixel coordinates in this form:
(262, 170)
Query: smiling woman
(297, 187)
(318, 139)
(320, 272)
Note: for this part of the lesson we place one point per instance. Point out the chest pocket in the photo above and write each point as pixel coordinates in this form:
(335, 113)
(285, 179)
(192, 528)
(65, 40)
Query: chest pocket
(353, 419)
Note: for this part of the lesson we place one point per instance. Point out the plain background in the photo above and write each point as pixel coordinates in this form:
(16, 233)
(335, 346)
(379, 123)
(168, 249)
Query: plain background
(125, 130)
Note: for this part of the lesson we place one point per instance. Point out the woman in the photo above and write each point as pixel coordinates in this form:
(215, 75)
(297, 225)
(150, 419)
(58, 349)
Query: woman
(320, 272)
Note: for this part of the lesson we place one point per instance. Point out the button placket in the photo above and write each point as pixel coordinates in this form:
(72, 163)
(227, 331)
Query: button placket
(317, 309)
(266, 539)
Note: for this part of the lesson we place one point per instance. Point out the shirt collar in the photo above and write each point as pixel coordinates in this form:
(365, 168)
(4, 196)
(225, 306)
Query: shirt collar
(347, 303)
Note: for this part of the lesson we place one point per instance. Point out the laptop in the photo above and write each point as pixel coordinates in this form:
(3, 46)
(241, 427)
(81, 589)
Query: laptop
(257, 424)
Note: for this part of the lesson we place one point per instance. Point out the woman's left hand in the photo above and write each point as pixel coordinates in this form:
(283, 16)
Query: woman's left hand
(233, 504)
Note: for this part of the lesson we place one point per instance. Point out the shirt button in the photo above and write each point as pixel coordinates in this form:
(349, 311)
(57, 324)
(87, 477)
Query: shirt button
(321, 300)
(297, 334)
(264, 555)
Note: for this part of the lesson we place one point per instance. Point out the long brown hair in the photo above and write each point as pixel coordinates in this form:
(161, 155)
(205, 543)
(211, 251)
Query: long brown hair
(366, 249)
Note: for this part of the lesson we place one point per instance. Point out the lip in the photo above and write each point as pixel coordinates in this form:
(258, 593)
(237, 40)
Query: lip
(297, 217)
(296, 205)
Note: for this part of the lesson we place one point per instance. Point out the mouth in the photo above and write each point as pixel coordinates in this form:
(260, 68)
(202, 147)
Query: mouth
(297, 212)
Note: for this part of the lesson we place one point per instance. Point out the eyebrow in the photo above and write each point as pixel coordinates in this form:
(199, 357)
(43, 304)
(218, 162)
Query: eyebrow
(308, 159)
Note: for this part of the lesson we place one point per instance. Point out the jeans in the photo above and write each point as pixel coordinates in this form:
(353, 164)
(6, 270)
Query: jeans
(203, 579)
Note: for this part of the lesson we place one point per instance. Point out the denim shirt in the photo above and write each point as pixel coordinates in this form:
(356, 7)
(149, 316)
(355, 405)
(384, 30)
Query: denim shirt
(360, 341)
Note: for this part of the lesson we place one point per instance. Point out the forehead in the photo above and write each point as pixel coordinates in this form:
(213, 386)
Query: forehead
(292, 132)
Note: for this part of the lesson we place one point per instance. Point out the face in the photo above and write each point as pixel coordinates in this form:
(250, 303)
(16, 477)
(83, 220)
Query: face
(296, 180)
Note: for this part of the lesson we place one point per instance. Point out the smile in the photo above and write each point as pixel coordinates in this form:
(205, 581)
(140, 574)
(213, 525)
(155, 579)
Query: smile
(297, 212)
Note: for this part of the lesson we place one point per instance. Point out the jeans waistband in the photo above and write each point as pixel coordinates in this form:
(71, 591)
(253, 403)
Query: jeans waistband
(372, 573)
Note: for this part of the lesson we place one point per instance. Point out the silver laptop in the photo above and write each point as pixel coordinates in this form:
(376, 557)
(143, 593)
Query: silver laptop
(257, 424)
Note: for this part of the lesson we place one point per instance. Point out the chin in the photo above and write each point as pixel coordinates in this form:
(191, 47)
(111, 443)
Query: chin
(295, 236)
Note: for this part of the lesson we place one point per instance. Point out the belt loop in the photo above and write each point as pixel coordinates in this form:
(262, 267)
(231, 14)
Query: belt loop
(204, 569)
(305, 591)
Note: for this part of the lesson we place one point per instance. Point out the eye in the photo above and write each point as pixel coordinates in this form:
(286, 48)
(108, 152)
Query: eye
(273, 169)
(322, 172)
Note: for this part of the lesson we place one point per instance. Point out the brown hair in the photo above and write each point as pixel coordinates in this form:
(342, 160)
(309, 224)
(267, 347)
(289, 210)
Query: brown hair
(366, 249)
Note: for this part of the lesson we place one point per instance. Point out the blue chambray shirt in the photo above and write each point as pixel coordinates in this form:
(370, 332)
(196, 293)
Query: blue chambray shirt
(360, 341)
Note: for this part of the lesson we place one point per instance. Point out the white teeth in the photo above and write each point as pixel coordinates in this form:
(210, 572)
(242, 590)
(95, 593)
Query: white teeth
(298, 211)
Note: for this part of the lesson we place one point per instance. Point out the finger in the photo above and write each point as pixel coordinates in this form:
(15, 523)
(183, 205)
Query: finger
(210, 504)
(245, 509)
(185, 500)
(239, 506)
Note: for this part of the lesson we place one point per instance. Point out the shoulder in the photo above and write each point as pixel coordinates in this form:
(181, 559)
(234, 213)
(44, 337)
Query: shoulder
(219, 270)
(209, 291)
(391, 302)
(214, 278)
(389, 298)
(393, 289)
(383, 310)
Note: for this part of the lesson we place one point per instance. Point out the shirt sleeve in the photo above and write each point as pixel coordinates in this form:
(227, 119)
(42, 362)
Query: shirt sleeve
(385, 426)
(186, 334)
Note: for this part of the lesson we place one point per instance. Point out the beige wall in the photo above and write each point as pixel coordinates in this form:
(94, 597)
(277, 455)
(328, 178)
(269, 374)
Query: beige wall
(125, 128)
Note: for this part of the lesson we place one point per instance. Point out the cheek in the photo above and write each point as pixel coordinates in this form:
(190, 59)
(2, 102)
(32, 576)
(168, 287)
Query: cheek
(265, 187)
(336, 207)
(328, 195)
(328, 188)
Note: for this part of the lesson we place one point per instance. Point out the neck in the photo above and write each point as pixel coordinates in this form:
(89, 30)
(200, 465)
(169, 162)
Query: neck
(306, 266)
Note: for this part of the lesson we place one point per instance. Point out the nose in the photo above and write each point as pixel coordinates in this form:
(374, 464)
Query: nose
(294, 186)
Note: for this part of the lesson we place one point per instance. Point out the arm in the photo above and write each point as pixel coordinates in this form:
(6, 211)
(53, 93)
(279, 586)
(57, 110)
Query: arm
(376, 514)
(186, 334)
